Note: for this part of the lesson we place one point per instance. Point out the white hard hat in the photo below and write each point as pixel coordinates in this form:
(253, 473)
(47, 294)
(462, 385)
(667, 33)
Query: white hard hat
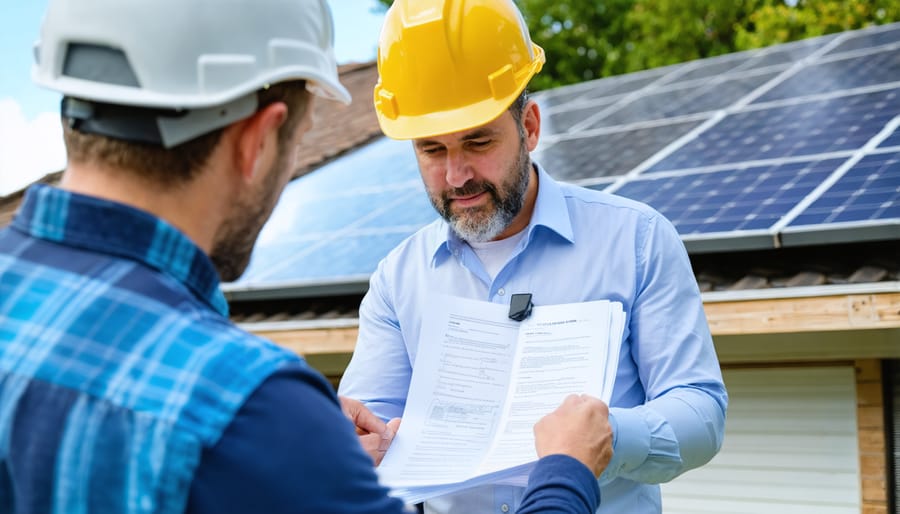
(203, 59)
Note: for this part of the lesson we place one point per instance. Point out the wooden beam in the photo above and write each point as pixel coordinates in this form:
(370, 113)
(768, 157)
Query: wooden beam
(871, 429)
(821, 314)
(814, 314)
(316, 341)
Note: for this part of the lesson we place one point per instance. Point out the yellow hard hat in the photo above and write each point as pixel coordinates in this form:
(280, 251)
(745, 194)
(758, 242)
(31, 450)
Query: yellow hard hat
(450, 65)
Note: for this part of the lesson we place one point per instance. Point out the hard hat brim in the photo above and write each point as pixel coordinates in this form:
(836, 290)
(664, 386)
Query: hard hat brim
(444, 122)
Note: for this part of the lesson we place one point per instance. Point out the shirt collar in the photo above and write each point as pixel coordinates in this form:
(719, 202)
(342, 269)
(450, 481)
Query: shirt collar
(550, 211)
(112, 228)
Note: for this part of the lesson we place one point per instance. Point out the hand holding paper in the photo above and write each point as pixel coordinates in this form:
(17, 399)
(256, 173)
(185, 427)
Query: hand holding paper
(375, 435)
(579, 428)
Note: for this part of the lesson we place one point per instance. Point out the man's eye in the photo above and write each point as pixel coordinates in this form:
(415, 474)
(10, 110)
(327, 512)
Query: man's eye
(479, 143)
(431, 150)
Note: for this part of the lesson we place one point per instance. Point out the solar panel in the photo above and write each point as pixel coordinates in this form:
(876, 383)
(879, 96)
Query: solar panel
(377, 186)
(712, 67)
(804, 128)
(863, 203)
(560, 121)
(890, 34)
(844, 73)
(608, 153)
(788, 145)
(892, 140)
(622, 84)
(349, 256)
(785, 54)
(731, 199)
(703, 97)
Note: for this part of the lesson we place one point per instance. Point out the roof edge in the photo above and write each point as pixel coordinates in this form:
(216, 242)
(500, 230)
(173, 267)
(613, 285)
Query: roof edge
(782, 293)
(357, 284)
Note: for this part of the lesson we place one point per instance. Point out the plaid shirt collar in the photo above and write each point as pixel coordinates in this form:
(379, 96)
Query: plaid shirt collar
(112, 228)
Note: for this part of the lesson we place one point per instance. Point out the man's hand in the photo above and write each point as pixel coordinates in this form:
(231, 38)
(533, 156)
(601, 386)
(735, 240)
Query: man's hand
(578, 428)
(375, 435)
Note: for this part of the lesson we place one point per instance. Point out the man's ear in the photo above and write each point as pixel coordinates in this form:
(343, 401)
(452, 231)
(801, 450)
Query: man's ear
(531, 120)
(257, 135)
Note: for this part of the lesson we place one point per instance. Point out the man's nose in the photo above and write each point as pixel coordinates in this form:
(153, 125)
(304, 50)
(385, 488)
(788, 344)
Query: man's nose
(458, 170)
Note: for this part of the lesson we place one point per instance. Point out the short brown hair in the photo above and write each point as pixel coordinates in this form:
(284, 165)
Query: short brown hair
(180, 164)
(517, 109)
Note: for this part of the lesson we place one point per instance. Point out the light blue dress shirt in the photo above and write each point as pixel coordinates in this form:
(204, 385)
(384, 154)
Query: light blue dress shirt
(668, 404)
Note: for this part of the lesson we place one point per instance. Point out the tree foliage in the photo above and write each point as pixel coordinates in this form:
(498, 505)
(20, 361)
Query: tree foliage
(587, 39)
(780, 23)
(661, 32)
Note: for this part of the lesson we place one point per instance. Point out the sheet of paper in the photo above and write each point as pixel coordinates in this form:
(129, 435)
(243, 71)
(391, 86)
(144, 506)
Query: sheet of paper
(557, 354)
(480, 383)
(456, 393)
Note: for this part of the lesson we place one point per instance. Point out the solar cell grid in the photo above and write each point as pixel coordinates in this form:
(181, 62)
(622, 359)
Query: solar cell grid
(608, 154)
(807, 128)
(866, 70)
(622, 84)
(561, 96)
(415, 210)
(301, 215)
(273, 256)
(891, 140)
(733, 199)
(362, 169)
(868, 39)
(339, 257)
(706, 97)
(561, 121)
(870, 190)
(785, 54)
(712, 67)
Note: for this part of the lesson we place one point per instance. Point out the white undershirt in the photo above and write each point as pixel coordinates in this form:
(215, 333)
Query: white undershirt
(494, 254)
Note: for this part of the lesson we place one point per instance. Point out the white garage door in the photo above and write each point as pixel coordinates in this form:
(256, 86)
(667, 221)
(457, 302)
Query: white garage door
(790, 447)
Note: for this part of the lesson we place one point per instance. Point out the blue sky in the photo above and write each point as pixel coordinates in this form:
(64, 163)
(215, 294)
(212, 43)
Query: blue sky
(30, 138)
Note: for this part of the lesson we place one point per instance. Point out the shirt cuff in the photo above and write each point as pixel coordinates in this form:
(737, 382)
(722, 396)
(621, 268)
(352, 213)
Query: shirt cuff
(631, 442)
(564, 474)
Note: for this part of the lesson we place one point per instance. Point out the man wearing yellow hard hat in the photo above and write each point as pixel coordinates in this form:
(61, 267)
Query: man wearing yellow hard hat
(453, 75)
(124, 387)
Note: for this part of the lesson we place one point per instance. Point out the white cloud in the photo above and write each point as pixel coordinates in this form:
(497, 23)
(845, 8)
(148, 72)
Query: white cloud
(29, 149)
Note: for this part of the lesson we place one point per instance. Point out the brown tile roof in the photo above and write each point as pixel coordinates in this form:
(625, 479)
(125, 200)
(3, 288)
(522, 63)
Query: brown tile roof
(339, 128)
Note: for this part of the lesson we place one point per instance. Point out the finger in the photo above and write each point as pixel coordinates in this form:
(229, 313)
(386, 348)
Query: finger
(389, 433)
(364, 420)
(369, 422)
(572, 399)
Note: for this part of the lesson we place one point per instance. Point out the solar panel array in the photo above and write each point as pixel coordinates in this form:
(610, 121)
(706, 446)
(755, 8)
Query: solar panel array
(789, 145)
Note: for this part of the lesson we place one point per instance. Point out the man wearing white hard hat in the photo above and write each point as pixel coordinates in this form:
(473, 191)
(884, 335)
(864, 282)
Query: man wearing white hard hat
(124, 388)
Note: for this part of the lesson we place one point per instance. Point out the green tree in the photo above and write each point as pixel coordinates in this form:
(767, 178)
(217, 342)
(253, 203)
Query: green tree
(662, 32)
(587, 39)
(780, 23)
(582, 39)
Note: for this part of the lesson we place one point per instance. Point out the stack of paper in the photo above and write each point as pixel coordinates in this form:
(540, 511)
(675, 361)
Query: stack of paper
(480, 383)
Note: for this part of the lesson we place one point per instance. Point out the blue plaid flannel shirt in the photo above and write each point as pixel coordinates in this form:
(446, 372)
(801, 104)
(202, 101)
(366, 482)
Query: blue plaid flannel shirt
(118, 364)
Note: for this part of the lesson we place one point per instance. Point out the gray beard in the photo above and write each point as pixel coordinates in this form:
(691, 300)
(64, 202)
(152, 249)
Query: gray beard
(477, 227)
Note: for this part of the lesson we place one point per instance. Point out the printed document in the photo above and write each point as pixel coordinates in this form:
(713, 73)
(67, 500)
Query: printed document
(480, 383)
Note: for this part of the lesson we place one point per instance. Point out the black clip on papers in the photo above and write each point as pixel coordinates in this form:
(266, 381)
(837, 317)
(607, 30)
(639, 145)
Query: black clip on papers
(520, 306)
